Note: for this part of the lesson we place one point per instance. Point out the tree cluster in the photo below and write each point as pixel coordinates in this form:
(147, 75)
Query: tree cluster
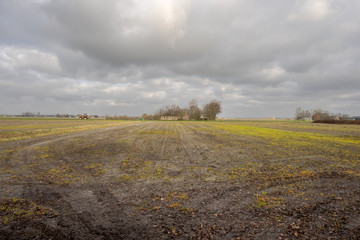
(171, 110)
(30, 114)
(193, 111)
(319, 114)
(212, 109)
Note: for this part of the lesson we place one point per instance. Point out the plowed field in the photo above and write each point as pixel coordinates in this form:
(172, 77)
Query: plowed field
(181, 180)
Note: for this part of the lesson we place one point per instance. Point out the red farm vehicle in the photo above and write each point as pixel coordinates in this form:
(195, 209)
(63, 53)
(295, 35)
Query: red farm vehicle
(83, 116)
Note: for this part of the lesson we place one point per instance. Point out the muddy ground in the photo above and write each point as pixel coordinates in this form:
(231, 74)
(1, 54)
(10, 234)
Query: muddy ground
(164, 180)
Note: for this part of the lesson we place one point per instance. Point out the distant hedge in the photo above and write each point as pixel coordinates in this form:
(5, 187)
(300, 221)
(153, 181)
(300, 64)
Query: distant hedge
(338, 121)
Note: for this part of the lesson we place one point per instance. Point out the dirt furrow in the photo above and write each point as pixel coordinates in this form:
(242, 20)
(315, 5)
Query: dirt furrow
(163, 145)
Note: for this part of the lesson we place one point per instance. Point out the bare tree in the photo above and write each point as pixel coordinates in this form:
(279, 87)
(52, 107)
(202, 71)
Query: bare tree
(212, 109)
(28, 114)
(298, 115)
(344, 116)
(319, 114)
(302, 114)
(194, 110)
(170, 110)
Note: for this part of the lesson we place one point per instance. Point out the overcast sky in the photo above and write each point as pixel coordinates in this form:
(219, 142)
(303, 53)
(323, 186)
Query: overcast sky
(259, 58)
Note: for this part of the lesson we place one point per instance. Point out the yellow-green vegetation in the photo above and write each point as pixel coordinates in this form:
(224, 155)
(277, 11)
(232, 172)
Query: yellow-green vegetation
(288, 175)
(157, 132)
(42, 153)
(95, 168)
(226, 151)
(142, 170)
(20, 129)
(265, 200)
(176, 200)
(285, 149)
(126, 160)
(62, 175)
(243, 150)
(172, 201)
(16, 209)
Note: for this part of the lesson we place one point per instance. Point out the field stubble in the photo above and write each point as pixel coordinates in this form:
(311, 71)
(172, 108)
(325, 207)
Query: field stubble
(155, 180)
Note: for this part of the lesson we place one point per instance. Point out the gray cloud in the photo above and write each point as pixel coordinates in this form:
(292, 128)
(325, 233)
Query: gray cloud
(259, 58)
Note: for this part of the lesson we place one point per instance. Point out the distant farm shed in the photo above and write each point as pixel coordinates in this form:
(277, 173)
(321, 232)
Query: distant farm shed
(170, 118)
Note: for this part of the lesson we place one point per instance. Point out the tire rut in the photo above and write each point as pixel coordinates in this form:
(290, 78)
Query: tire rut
(89, 132)
(193, 146)
(163, 145)
(69, 218)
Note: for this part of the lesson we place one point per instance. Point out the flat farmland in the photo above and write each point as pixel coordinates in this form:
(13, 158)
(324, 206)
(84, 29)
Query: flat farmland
(96, 179)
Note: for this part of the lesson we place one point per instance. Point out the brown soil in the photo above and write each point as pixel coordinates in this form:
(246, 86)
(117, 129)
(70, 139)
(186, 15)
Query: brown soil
(161, 180)
(357, 122)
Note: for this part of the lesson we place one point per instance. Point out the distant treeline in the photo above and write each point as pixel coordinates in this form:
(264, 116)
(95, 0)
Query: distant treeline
(58, 115)
(192, 112)
(319, 114)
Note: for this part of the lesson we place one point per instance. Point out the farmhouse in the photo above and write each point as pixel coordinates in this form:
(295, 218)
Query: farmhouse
(174, 118)
(170, 118)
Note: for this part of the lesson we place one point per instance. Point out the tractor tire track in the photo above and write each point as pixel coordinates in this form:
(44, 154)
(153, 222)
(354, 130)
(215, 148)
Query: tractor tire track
(70, 220)
(82, 134)
(163, 145)
(175, 184)
(194, 147)
(40, 141)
